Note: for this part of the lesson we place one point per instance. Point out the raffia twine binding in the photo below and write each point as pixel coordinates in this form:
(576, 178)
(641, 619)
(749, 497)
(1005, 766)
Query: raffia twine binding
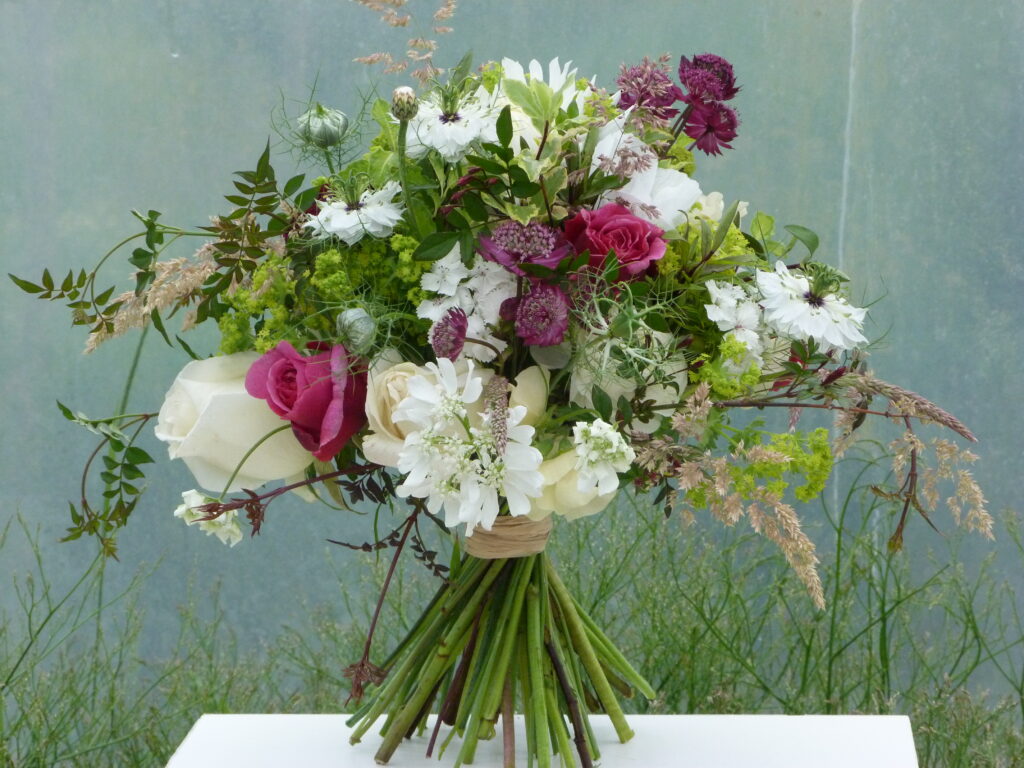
(509, 537)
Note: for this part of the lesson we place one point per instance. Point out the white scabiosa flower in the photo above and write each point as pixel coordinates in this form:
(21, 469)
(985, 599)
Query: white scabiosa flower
(375, 213)
(225, 527)
(601, 453)
(461, 468)
(794, 310)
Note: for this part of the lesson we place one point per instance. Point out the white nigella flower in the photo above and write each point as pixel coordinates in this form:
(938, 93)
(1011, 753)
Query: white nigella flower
(734, 311)
(792, 309)
(461, 468)
(662, 196)
(478, 291)
(376, 213)
(452, 132)
(601, 453)
(225, 527)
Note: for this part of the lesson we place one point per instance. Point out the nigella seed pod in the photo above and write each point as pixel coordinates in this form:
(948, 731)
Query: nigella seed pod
(357, 330)
(322, 126)
(403, 103)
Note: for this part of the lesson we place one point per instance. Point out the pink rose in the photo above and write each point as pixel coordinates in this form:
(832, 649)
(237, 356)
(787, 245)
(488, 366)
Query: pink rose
(322, 395)
(612, 227)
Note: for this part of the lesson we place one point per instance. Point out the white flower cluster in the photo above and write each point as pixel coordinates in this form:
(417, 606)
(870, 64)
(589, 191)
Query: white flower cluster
(740, 316)
(374, 213)
(225, 527)
(784, 304)
(459, 466)
(601, 453)
(477, 291)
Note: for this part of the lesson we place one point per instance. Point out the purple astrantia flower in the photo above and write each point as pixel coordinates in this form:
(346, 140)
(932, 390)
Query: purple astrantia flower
(448, 336)
(512, 244)
(648, 85)
(507, 310)
(721, 86)
(712, 126)
(542, 316)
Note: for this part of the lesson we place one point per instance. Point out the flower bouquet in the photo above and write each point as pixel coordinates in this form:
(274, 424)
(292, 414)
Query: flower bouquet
(512, 304)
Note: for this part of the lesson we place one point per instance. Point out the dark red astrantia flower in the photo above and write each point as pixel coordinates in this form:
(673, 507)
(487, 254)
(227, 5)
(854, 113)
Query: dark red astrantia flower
(693, 74)
(712, 126)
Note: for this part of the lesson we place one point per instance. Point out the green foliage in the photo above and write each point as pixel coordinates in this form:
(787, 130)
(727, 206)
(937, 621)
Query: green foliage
(120, 475)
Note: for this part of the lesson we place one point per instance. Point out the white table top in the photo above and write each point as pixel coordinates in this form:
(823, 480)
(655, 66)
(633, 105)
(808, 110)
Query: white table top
(661, 741)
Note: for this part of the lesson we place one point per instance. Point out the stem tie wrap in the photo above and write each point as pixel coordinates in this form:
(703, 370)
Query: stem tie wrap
(509, 537)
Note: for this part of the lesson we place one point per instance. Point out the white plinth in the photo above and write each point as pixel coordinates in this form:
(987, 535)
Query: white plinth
(661, 741)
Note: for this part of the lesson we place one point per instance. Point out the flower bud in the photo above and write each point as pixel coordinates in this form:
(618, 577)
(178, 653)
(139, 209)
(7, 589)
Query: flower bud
(322, 126)
(357, 330)
(403, 103)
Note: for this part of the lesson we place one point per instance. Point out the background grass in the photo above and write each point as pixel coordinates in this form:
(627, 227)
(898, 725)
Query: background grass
(716, 621)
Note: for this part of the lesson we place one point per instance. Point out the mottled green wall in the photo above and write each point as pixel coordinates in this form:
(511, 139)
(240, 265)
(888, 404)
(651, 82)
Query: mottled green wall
(891, 128)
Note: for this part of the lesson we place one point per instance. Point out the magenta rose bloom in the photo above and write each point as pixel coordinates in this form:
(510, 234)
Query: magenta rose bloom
(612, 227)
(322, 395)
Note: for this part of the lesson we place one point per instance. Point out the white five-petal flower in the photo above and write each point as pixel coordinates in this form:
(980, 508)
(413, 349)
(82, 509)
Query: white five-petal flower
(735, 312)
(375, 213)
(601, 453)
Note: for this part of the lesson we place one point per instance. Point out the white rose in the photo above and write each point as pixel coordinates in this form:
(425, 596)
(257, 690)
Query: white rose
(387, 386)
(561, 493)
(531, 391)
(225, 527)
(712, 207)
(210, 422)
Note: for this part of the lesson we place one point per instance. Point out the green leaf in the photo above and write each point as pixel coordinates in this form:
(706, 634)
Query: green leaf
(461, 70)
(292, 185)
(723, 226)
(805, 236)
(187, 348)
(504, 126)
(68, 413)
(136, 455)
(763, 226)
(474, 207)
(158, 323)
(467, 246)
(602, 403)
(263, 169)
(305, 198)
(656, 322)
(25, 285)
(47, 280)
(436, 246)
